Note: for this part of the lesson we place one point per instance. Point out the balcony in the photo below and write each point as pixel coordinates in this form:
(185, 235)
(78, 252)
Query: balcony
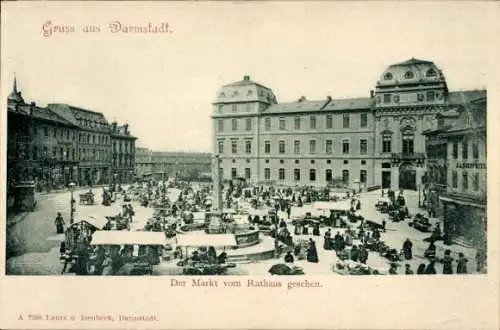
(403, 156)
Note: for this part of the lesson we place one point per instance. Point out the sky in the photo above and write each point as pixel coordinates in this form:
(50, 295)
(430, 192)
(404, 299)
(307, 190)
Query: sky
(163, 84)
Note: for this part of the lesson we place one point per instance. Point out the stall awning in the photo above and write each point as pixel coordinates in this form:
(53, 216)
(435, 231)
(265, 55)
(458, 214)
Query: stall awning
(122, 237)
(337, 206)
(206, 240)
(97, 222)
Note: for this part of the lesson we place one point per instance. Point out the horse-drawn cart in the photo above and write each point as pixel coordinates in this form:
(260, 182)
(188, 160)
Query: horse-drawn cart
(87, 198)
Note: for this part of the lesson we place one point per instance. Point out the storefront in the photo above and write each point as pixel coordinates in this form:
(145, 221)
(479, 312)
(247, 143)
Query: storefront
(464, 220)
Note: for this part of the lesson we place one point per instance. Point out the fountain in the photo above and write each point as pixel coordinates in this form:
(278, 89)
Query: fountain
(249, 244)
(215, 225)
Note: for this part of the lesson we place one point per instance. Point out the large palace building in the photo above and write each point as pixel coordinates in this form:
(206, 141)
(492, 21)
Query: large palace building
(358, 142)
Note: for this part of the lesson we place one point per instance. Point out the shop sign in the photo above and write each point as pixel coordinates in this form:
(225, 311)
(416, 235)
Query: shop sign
(480, 166)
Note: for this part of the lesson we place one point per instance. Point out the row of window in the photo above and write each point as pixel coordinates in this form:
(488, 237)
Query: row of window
(85, 138)
(61, 133)
(465, 180)
(282, 124)
(92, 123)
(410, 75)
(57, 153)
(312, 161)
(363, 147)
(93, 139)
(465, 150)
(248, 93)
(123, 146)
(430, 96)
(281, 174)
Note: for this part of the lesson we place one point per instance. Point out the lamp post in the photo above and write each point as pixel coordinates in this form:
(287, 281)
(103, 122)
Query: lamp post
(419, 203)
(72, 202)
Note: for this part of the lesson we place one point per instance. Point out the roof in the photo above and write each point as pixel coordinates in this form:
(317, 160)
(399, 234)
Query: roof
(472, 118)
(449, 113)
(122, 131)
(123, 237)
(75, 114)
(245, 82)
(191, 240)
(47, 114)
(322, 105)
(461, 97)
(411, 61)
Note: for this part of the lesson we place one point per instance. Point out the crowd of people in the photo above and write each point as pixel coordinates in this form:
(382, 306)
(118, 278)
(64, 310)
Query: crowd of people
(346, 234)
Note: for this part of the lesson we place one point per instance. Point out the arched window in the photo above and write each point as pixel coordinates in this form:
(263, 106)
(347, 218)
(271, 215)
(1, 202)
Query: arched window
(409, 75)
(408, 142)
(388, 76)
(431, 73)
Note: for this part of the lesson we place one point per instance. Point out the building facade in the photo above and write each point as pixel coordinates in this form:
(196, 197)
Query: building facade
(161, 165)
(457, 170)
(58, 144)
(143, 162)
(123, 155)
(359, 142)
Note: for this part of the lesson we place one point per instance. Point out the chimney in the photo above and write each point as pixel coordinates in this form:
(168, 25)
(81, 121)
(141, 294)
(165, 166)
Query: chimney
(126, 128)
(371, 94)
(246, 78)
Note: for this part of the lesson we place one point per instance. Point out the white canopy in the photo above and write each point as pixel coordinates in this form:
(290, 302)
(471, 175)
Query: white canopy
(229, 211)
(98, 222)
(190, 240)
(337, 206)
(259, 212)
(122, 237)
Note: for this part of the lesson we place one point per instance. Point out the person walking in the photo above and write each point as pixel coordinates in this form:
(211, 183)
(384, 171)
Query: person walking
(408, 270)
(327, 245)
(312, 253)
(59, 223)
(421, 269)
(447, 263)
(461, 264)
(407, 246)
(289, 257)
(430, 269)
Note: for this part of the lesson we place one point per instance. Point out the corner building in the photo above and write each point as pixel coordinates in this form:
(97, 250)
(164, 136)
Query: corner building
(359, 142)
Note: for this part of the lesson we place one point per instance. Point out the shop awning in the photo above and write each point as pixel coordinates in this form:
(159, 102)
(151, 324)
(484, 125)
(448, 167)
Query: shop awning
(461, 202)
(122, 237)
(189, 240)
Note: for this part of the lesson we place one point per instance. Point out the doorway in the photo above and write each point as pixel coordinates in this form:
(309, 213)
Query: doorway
(386, 179)
(407, 177)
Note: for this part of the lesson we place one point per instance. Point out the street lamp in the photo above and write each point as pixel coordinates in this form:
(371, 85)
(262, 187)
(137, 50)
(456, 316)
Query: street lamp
(419, 203)
(72, 203)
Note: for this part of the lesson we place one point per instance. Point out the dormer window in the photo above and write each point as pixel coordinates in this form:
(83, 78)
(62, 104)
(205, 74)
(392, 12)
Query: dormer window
(409, 75)
(261, 92)
(250, 93)
(222, 94)
(388, 76)
(235, 93)
(431, 73)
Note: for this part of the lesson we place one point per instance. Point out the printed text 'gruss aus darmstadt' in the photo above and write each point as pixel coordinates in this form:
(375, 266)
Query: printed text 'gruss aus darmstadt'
(50, 28)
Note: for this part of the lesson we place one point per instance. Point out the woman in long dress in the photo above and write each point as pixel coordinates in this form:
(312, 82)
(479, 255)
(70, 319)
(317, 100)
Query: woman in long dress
(59, 223)
(327, 245)
(312, 253)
